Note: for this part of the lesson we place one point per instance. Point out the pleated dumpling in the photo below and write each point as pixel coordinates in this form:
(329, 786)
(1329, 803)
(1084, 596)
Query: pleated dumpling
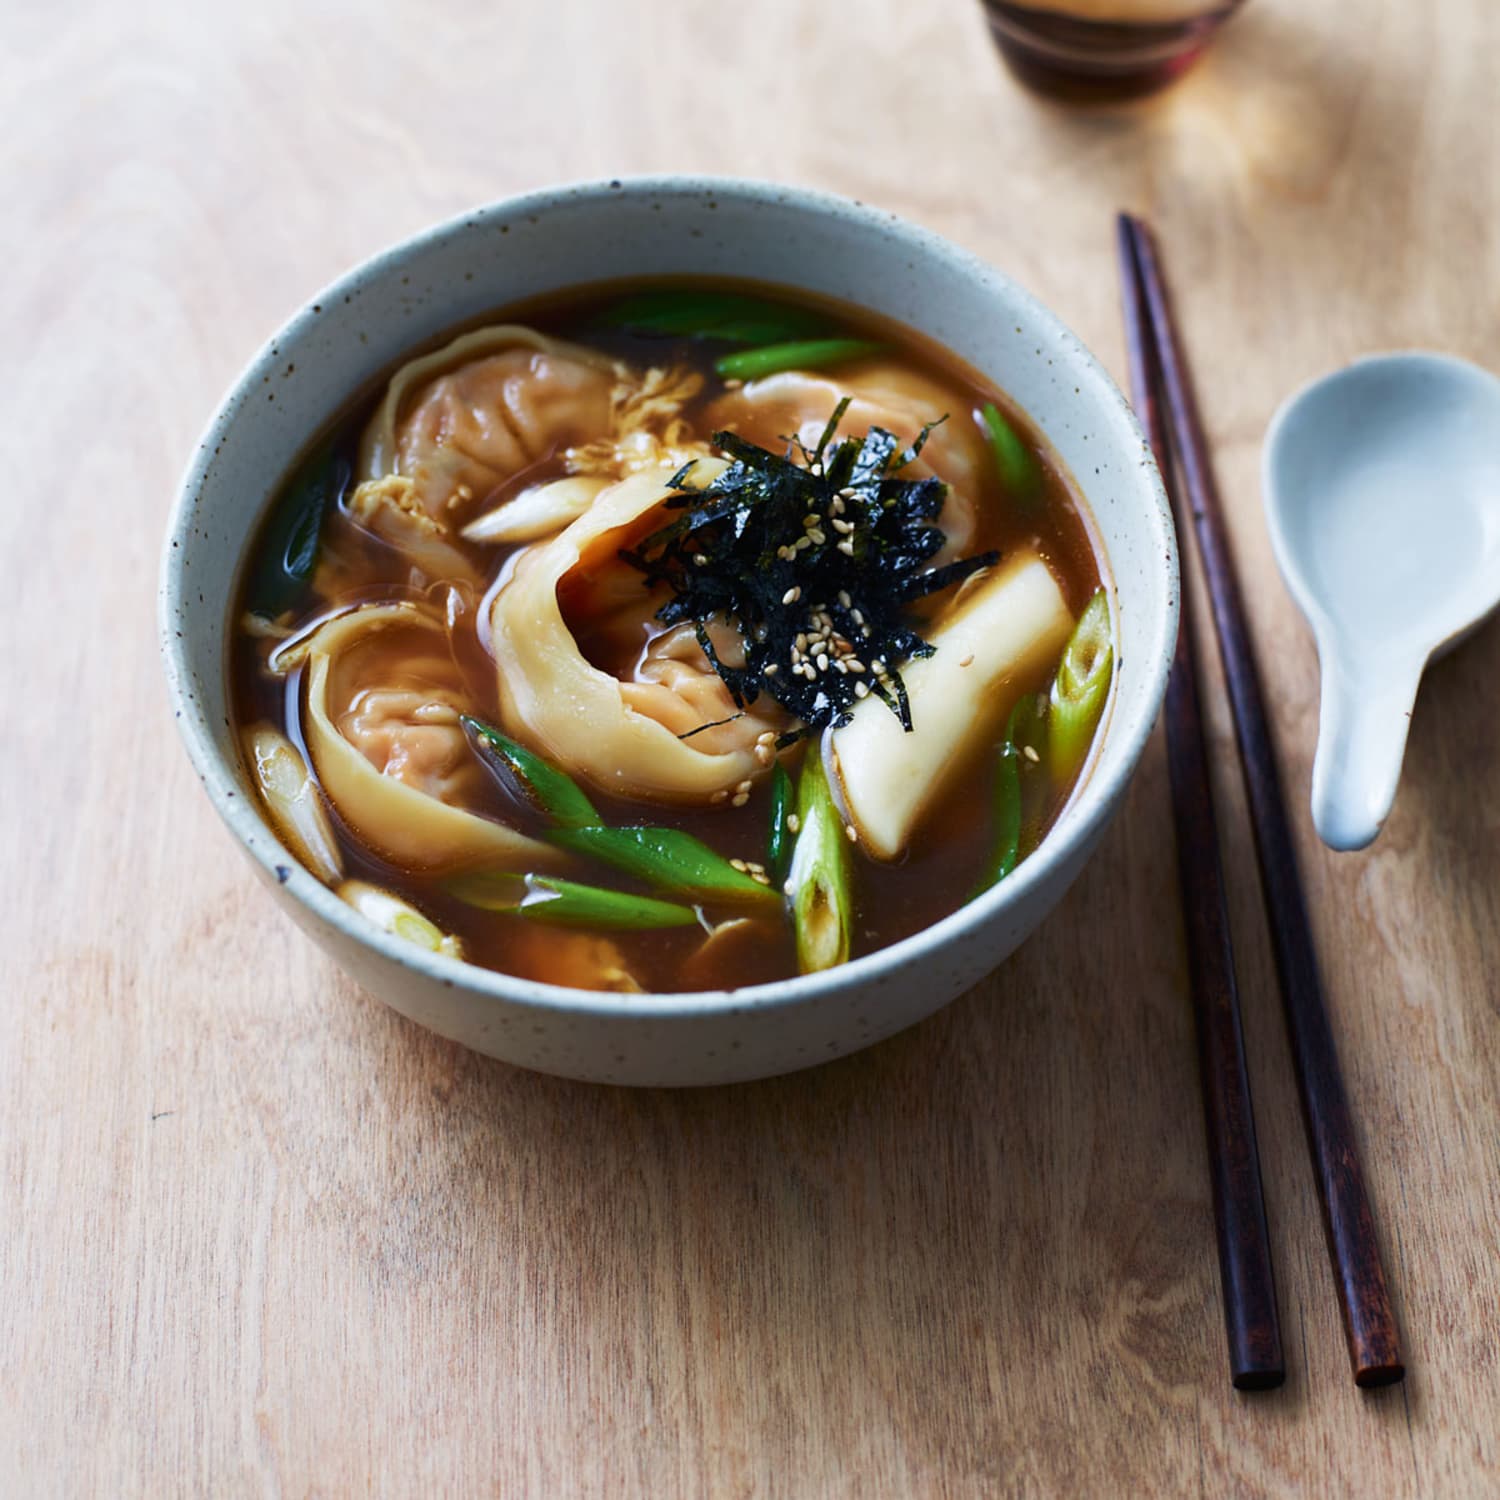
(381, 723)
(616, 712)
(798, 403)
(476, 412)
(456, 424)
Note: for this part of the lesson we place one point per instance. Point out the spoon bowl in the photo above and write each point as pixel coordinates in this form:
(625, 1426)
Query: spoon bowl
(1382, 493)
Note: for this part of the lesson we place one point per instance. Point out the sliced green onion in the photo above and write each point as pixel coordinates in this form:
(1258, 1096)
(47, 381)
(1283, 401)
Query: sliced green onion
(565, 903)
(1022, 792)
(821, 906)
(779, 841)
(1020, 473)
(1079, 690)
(1029, 731)
(803, 354)
(293, 534)
(294, 801)
(553, 794)
(398, 917)
(730, 317)
(666, 857)
(1007, 804)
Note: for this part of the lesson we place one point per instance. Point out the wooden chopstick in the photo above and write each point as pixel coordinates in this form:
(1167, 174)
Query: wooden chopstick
(1245, 1276)
(1369, 1323)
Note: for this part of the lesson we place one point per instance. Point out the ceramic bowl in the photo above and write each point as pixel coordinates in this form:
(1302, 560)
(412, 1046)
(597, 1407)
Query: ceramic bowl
(349, 333)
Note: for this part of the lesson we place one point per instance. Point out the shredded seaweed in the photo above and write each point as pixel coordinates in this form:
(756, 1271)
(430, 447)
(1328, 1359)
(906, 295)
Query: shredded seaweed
(687, 734)
(815, 556)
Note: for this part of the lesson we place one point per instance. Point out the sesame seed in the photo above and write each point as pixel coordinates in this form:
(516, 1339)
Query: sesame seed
(817, 537)
(770, 669)
(764, 754)
(761, 878)
(837, 508)
(847, 548)
(720, 796)
(745, 785)
(842, 527)
(740, 865)
(854, 664)
(1030, 753)
(739, 799)
(858, 616)
(851, 832)
(700, 559)
(968, 661)
(464, 492)
(811, 521)
(802, 640)
(844, 597)
(765, 737)
(861, 689)
(793, 823)
(792, 595)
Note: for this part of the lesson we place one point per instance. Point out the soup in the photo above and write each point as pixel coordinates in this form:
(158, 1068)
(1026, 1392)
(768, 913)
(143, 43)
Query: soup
(670, 636)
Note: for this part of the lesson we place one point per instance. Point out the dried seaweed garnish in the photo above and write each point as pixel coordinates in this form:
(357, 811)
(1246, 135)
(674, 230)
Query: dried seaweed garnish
(815, 557)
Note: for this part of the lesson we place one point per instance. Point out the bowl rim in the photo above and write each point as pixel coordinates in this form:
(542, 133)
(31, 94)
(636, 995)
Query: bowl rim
(1080, 822)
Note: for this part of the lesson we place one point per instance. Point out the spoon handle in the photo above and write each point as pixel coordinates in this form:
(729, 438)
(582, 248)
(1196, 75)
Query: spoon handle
(1362, 722)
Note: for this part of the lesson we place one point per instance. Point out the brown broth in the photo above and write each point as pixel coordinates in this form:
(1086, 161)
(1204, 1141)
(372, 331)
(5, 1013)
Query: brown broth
(892, 900)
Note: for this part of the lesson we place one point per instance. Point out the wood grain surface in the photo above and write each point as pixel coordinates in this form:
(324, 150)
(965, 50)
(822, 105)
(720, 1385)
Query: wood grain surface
(259, 1236)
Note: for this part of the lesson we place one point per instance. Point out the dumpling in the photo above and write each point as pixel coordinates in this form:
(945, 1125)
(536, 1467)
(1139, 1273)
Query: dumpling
(799, 404)
(381, 724)
(619, 729)
(457, 424)
(462, 420)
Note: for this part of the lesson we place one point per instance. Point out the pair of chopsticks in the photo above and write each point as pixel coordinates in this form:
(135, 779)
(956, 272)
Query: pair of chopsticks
(1159, 379)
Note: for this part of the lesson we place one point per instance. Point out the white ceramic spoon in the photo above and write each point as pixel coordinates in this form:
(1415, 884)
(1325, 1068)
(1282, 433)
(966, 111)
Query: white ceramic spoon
(1382, 493)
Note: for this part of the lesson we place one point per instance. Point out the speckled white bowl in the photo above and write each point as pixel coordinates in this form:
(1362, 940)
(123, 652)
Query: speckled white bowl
(569, 235)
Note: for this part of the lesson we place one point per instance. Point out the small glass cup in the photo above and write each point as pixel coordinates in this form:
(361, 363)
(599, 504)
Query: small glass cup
(1103, 49)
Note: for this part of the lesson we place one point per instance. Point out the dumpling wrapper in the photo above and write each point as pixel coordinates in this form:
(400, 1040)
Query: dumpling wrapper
(381, 725)
(620, 736)
(540, 510)
(1004, 635)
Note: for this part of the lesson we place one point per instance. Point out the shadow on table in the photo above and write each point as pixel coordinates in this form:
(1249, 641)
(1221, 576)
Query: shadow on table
(905, 1245)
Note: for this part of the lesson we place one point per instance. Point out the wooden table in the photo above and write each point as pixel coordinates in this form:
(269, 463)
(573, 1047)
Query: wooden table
(260, 1236)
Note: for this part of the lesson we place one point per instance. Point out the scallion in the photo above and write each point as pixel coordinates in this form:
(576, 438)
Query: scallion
(1007, 807)
(728, 317)
(293, 535)
(668, 858)
(1020, 474)
(565, 903)
(779, 840)
(1079, 690)
(553, 794)
(800, 354)
(822, 907)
